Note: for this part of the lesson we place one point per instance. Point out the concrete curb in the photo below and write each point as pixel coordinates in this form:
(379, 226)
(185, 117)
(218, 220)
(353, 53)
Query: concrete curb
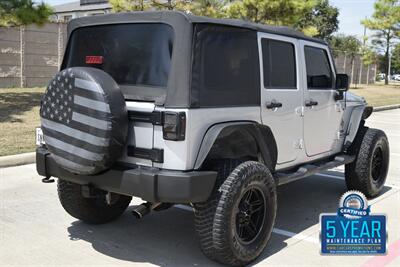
(16, 160)
(386, 107)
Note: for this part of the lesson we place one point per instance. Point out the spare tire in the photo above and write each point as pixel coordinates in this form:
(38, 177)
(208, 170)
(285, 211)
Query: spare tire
(84, 120)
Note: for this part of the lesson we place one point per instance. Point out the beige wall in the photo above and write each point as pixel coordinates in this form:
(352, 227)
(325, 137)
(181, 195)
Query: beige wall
(30, 55)
(353, 66)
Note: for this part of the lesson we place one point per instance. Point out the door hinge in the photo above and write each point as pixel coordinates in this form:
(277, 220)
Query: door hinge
(338, 106)
(300, 111)
(299, 144)
(340, 134)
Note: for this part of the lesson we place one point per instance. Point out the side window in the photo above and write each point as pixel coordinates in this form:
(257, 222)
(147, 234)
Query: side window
(225, 70)
(319, 72)
(279, 64)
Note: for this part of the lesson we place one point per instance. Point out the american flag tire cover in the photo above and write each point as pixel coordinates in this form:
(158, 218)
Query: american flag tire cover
(84, 120)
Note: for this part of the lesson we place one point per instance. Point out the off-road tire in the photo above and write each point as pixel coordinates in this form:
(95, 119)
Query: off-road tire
(215, 221)
(359, 173)
(90, 210)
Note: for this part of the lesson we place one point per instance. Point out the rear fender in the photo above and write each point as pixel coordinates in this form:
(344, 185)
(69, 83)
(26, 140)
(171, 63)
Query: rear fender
(238, 140)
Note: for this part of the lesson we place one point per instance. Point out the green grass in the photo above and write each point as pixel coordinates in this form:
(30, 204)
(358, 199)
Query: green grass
(19, 113)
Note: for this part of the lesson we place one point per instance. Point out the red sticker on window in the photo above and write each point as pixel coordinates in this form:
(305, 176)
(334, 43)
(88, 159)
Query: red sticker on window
(94, 59)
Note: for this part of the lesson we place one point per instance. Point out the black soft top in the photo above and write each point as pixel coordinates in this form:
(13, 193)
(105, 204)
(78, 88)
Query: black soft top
(178, 91)
(176, 17)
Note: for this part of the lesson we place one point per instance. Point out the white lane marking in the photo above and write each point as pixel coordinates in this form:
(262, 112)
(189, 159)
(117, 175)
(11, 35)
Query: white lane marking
(278, 231)
(385, 115)
(301, 237)
(342, 178)
(382, 122)
(395, 154)
(382, 197)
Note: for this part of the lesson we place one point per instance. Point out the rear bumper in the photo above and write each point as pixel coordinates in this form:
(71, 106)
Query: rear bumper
(150, 184)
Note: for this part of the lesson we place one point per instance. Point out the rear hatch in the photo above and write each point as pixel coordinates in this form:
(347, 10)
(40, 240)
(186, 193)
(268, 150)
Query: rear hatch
(138, 57)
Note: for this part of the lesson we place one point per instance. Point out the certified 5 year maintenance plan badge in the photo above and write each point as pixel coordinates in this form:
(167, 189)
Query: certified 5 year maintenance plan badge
(353, 230)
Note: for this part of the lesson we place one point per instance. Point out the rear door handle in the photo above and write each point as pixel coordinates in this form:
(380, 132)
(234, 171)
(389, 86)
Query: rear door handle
(273, 104)
(310, 103)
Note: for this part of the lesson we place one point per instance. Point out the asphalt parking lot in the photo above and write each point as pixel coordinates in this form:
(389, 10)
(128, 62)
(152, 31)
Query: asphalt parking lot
(35, 230)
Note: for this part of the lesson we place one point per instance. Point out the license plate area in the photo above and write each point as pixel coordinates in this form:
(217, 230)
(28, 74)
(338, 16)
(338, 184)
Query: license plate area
(39, 139)
(140, 133)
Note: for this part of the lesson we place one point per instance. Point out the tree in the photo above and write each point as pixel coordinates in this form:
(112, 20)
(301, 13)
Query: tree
(396, 59)
(314, 17)
(129, 5)
(23, 12)
(385, 22)
(277, 12)
(347, 44)
(208, 8)
(170, 4)
(368, 57)
(323, 17)
(142, 5)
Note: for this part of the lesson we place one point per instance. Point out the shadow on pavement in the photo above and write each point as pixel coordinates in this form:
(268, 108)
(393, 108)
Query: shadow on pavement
(165, 238)
(168, 238)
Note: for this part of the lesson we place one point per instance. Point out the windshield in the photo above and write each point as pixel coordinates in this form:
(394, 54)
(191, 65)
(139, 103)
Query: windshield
(133, 54)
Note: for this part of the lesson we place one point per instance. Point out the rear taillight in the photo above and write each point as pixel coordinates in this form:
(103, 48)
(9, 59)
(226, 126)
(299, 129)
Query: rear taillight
(174, 126)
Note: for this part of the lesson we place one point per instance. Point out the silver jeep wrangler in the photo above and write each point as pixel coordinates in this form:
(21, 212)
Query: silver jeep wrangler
(174, 108)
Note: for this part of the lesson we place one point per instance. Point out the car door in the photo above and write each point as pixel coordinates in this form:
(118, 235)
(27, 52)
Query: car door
(322, 112)
(281, 94)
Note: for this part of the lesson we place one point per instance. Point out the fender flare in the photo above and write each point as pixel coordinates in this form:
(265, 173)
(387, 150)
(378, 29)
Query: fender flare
(238, 138)
(357, 119)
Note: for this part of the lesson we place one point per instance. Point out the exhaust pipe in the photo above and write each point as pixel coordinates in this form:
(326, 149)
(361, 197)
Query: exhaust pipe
(143, 209)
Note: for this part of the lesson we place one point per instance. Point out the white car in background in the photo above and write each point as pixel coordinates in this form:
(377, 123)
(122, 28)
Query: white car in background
(396, 77)
(381, 76)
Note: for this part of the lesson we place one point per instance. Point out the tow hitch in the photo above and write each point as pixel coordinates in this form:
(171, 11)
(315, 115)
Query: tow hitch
(48, 180)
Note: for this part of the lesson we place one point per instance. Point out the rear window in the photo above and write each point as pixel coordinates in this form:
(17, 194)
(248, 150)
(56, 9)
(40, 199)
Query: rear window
(133, 54)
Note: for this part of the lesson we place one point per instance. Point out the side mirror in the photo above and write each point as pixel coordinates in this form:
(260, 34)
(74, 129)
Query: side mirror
(342, 82)
(342, 85)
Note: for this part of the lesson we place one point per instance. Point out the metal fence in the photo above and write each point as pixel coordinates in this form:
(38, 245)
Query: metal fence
(31, 55)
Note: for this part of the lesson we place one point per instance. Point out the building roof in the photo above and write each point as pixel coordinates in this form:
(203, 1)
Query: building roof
(76, 6)
(176, 17)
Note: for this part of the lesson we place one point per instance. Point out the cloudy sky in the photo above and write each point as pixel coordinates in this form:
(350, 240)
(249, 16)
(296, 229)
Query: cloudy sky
(351, 13)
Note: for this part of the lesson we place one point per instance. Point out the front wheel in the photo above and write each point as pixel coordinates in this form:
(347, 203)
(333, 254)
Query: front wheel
(241, 214)
(369, 170)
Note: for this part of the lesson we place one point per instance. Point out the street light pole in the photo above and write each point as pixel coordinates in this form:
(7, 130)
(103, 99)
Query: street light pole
(390, 64)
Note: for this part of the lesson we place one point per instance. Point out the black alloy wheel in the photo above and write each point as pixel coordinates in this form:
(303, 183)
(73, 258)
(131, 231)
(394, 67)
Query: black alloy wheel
(250, 215)
(377, 165)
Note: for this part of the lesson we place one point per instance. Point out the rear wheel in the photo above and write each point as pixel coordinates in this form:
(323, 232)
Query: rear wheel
(94, 210)
(369, 170)
(235, 224)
